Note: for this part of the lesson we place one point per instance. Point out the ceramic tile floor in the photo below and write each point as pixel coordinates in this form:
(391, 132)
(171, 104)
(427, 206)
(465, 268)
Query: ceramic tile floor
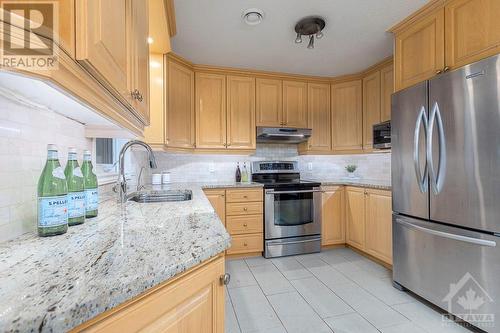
(337, 290)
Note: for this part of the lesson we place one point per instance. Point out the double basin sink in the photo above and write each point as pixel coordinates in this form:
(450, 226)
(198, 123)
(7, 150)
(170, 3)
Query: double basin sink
(161, 196)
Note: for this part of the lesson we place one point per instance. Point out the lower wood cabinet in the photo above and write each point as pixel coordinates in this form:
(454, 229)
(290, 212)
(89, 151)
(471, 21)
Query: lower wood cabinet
(218, 200)
(191, 302)
(332, 216)
(355, 217)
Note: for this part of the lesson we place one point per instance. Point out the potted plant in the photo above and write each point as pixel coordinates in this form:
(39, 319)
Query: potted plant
(350, 170)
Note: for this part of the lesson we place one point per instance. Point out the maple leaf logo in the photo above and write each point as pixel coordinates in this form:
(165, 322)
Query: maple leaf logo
(470, 301)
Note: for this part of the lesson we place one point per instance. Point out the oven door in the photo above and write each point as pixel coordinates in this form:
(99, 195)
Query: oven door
(292, 212)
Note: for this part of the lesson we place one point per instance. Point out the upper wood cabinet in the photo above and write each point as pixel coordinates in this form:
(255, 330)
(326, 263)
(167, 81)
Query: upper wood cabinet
(102, 42)
(332, 216)
(269, 108)
(472, 31)
(379, 224)
(419, 49)
(294, 104)
(347, 116)
(241, 132)
(355, 217)
(154, 134)
(210, 110)
(318, 109)
(386, 90)
(371, 107)
(180, 111)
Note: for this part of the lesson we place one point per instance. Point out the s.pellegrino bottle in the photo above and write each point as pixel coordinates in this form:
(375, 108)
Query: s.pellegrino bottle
(76, 193)
(52, 197)
(90, 186)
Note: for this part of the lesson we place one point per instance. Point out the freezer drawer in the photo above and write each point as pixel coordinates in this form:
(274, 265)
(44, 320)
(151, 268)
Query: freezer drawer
(456, 269)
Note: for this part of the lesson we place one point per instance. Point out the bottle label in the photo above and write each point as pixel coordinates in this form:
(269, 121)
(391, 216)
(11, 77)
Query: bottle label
(76, 204)
(52, 155)
(52, 211)
(77, 172)
(91, 199)
(72, 157)
(58, 173)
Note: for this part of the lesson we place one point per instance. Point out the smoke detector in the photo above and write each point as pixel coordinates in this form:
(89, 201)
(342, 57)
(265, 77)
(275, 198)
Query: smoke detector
(253, 16)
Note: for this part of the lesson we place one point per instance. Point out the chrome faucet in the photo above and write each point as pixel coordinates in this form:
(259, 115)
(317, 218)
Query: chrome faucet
(122, 182)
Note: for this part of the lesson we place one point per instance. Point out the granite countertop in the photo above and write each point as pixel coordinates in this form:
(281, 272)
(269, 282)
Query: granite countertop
(358, 182)
(56, 283)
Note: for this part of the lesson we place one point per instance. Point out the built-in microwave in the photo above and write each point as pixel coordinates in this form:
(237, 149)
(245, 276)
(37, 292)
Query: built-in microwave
(382, 135)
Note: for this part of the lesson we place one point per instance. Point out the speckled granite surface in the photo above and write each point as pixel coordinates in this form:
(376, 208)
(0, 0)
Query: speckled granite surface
(53, 284)
(359, 182)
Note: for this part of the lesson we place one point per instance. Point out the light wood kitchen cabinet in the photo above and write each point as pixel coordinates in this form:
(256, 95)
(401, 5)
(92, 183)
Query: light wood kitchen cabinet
(241, 112)
(191, 302)
(101, 42)
(318, 110)
(294, 104)
(355, 217)
(347, 116)
(269, 102)
(379, 224)
(419, 49)
(218, 200)
(154, 134)
(180, 111)
(472, 31)
(386, 90)
(210, 103)
(332, 216)
(371, 107)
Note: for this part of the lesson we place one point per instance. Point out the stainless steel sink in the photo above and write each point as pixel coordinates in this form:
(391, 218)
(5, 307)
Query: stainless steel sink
(162, 196)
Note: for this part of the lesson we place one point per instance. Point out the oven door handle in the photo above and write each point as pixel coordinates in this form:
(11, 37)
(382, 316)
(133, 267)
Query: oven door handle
(299, 191)
(280, 242)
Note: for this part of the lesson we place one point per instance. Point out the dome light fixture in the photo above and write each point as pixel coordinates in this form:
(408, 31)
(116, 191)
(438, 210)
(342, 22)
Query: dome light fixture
(311, 26)
(253, 16)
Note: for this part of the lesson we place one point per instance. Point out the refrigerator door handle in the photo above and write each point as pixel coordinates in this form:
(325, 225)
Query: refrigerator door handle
(422, 181)
(472, 240)
(437, 181)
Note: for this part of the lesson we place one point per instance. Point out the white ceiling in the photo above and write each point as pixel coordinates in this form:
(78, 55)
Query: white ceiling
(212, 32)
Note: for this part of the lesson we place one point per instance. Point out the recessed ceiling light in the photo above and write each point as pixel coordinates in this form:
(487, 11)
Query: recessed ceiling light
(253, 16)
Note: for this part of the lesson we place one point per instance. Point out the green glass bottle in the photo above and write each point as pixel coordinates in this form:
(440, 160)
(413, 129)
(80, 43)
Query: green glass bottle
(76, 193)
(52, 197)
(90, 186)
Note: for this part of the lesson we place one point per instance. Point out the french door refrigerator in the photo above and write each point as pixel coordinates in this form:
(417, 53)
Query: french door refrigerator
(446, 191)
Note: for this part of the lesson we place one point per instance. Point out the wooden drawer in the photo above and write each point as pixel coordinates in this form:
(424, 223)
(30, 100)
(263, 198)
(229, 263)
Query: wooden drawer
(246, 244)
(247, 208)
(246, 224)
(243, 195)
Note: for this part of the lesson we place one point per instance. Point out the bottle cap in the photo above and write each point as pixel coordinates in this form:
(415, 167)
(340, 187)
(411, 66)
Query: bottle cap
(86, 152)
(71, 150)
(51, 146)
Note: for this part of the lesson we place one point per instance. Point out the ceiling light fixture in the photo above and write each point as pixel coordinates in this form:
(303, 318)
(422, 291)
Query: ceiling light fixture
(253, 16)
(311, 26)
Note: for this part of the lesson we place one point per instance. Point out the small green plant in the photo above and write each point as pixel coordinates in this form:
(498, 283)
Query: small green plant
(351, 168)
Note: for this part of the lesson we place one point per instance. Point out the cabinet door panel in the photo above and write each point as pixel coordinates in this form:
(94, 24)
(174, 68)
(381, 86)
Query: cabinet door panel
(472, 31)
(379, 225)
(101, 42)
(387, 88)
(269, 102)
(295, 104)
(180, 106)
(240, 112)
(419, 50)
(371, 107)
(347, 116)
(154, 133)
(332, 216)
(210, 110)
(355, 217)
(217, 199)
(318, 100)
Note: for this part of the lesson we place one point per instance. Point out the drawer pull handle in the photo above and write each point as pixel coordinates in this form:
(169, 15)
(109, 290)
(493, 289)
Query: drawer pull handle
(245, 209)
(225, 279)
(245, 244)
(244, 224)
(245, 196)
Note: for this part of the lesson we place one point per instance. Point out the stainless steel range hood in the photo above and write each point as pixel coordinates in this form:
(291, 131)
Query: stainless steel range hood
(282, 135)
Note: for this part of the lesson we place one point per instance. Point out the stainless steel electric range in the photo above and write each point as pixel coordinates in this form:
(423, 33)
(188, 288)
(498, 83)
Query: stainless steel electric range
(292, 209)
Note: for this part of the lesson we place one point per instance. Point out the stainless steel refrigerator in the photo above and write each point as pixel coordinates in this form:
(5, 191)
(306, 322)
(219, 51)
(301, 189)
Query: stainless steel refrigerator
(446, 191)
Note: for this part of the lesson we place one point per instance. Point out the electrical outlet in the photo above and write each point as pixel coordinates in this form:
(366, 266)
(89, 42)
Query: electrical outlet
(211, 167)
(309, 166)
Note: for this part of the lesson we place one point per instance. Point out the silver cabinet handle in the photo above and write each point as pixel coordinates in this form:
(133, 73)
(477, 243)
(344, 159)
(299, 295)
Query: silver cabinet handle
(466, 239)
(422, 181)
(225, 279)
(299, 191)
(437, 181)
